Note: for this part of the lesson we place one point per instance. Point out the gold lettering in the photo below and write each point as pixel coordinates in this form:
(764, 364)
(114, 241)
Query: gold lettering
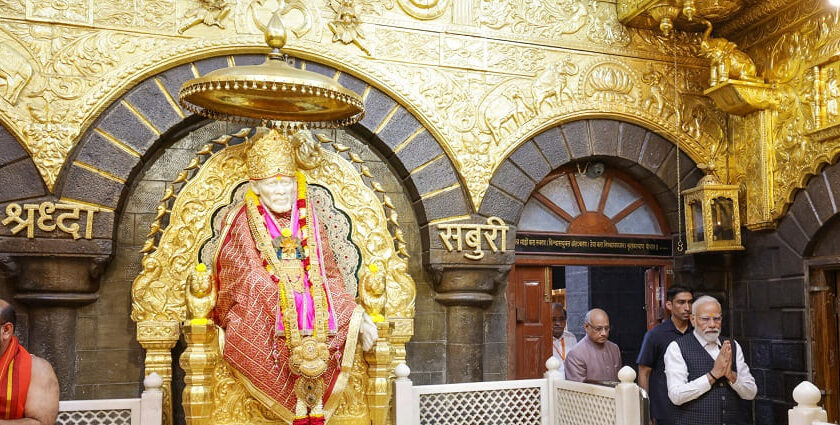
(473, 240)
(448, 236)
(46, 222)
(13, 212)
(495, 224)
(472, 237)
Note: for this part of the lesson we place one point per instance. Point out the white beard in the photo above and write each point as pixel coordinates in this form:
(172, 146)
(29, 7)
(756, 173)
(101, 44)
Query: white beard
(711, 336)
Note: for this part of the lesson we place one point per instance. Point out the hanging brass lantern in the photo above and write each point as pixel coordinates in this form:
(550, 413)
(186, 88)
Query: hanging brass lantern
(712, 221)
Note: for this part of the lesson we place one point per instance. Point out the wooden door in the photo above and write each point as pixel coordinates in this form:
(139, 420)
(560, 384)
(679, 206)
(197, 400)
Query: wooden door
(657, 282)
(531, 290)
(653, 293)
(824, 329)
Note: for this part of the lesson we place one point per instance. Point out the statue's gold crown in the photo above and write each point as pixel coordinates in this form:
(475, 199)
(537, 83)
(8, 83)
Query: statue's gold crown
(271, 153)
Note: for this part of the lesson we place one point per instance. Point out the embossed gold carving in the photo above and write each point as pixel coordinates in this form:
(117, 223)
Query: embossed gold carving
(551, 84)
(665, 12)
(751, 166)
(15, 73)
(727, 61)
(346, 26)
(660, 101)
(352, 408)
(717, 10)
(424, 9)
(609, 82)
(605, 29)
(791, 122)
(534, 18)
(206, 12)
(24, 217)
(78, 70)
(285, 7)
(798, 134)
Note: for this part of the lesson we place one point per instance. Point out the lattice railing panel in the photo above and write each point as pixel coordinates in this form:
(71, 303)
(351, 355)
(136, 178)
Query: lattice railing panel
(514, 406)
(95, 417)
(578, 408)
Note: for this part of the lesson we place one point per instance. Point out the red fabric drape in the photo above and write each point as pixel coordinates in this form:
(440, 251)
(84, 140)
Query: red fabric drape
(15, 373)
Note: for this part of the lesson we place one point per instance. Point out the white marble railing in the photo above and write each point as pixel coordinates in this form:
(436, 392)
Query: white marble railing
(146, 410)
(548, 401)
(806, 412)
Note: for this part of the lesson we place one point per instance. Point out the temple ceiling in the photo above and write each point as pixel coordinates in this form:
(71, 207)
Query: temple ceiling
(492, 73)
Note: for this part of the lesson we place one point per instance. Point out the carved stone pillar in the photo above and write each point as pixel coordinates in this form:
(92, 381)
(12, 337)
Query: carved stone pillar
(53, 288)
(466, 290)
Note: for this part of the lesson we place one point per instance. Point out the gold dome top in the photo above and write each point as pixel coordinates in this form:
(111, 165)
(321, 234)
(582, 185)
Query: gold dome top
(273, 93)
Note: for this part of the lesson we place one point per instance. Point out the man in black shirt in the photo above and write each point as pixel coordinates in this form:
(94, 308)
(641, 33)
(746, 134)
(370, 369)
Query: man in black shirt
(651, 357)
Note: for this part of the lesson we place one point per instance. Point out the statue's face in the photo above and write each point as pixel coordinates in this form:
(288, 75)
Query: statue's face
(276, 193)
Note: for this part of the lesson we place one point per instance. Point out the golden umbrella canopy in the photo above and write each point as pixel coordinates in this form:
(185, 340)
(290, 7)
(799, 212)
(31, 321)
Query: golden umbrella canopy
(272, 94)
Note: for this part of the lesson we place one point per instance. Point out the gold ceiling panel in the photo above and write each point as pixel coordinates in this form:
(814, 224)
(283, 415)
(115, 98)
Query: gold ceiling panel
(69, 63)
(494, 72)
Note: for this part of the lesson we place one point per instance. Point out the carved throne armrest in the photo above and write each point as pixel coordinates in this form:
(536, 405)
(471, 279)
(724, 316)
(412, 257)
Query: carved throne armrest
(202, 353)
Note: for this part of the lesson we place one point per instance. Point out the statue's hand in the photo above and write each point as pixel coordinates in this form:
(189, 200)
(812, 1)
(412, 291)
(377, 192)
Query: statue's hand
(368, 332)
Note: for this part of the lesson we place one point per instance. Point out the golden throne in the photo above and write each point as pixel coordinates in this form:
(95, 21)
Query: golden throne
(167, 301)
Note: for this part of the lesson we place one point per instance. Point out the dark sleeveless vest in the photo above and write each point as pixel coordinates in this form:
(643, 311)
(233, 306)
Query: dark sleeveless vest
(719, 406)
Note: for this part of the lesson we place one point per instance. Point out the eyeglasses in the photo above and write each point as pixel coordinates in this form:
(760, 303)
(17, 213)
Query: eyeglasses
(706, 319)
(599, 329)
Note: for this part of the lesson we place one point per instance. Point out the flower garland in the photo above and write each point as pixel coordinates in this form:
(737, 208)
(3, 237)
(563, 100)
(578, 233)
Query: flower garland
(286, 271)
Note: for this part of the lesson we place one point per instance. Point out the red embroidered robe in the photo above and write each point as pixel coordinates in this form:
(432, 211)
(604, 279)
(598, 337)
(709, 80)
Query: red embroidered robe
(247, 309)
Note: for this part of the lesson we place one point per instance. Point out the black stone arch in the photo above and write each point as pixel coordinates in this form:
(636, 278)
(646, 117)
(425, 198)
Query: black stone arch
(125, 136)
(812, 209)
(19, 177)
(643, 154)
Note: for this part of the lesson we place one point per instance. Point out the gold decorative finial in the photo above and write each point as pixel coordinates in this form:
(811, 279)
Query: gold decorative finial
(275, 32)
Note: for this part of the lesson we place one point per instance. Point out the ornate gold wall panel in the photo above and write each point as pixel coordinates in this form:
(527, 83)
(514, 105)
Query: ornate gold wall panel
(492, 72)
(794, 50)
(750, 165)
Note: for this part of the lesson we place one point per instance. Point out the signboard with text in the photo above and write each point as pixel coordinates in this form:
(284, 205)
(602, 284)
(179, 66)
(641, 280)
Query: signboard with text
(536, 243)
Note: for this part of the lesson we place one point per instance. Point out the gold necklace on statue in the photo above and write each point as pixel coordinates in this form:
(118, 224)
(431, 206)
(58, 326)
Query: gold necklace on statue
(308, 356)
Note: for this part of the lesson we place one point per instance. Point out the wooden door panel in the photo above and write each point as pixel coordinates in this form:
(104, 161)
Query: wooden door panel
(824, 320)
(533, 320)
(532, 362)
(652, 295)
(533, 290)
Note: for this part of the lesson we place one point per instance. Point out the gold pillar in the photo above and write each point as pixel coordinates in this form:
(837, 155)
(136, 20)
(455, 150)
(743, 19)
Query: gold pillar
(199, 361)
(158, 338)
(379, 375)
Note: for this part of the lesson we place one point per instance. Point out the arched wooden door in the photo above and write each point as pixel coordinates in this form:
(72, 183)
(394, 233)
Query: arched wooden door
(598, 220)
